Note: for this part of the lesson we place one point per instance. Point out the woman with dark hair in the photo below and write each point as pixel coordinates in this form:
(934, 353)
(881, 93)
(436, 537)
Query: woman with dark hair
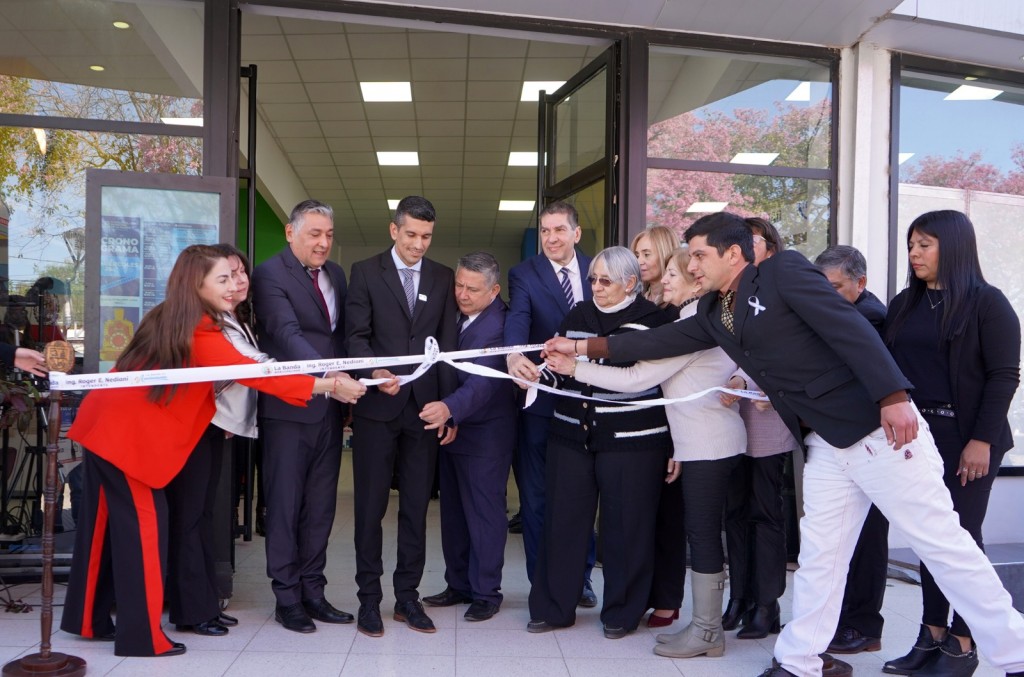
(137, 439)
(957, 339)
(755, 530)
(600, 452)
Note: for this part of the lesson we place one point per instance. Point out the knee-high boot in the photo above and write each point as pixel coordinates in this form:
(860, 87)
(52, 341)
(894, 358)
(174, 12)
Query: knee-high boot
(704, 635)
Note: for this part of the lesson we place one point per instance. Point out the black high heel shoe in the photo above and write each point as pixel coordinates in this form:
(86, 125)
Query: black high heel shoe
(737, 613)
(951, 660)
(764, 620)
(923, 651)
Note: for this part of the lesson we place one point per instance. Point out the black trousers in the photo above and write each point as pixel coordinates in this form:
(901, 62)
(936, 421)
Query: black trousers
(970, 502)
(382, 450)
(191, 594)
(865, 584)
(755, 529)
(301, 464)
(705, 484)
(628, 486)
(669, 550)
(120, 558)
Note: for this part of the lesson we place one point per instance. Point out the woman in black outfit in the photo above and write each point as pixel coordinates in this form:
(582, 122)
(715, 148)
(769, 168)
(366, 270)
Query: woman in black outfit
(958, 341)
(619, 454)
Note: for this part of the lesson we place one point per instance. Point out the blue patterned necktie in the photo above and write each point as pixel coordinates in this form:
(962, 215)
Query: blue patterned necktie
(567, 287)
(410, 290)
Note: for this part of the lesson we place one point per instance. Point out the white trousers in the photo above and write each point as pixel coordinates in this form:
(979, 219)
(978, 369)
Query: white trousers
(906, 485)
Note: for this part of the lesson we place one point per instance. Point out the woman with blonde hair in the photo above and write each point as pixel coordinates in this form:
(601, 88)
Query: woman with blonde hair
(652, 248)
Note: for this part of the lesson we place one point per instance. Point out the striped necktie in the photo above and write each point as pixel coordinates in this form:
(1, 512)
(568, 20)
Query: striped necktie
(410, 290)
(567, 287)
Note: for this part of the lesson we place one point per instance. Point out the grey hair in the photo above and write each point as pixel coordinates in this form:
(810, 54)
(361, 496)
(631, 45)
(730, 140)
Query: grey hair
(298, 215)
(621, 264)
(848, 260)
(484, 263)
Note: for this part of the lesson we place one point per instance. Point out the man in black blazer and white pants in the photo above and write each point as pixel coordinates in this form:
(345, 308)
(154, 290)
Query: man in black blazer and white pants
(398, 299)
(831, 379)
(299, 299)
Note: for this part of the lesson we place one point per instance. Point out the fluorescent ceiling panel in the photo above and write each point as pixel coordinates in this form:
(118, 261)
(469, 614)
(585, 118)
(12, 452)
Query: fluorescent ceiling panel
(706, 207)
(532, 88)
(386, 91)
(515, 206)
(522, 159)
(972, 93)
(754, 158)
(393, 204)
(398, 158)
(801, 92)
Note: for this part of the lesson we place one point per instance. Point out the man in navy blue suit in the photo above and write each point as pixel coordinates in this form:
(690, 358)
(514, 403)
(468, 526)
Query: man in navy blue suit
(542, 289)
(299, 297)
(474, 467)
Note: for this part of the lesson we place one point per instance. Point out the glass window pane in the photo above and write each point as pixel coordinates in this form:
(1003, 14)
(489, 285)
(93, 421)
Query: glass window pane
(749, 109)
(589, 203)
(580, 127)
(962, 148)
(799, 208)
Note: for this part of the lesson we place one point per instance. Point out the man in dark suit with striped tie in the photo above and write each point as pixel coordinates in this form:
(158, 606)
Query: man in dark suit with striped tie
(395, 301)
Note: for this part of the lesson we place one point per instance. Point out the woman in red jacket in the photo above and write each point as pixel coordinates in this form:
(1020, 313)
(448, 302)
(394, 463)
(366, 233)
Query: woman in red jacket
(137, 439)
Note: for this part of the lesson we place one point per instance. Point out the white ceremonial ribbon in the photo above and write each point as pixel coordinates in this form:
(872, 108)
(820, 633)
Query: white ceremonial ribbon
(755, 303)
(431, 351)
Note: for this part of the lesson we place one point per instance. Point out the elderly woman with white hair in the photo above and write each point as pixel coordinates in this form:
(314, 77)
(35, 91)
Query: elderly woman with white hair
(615, 455)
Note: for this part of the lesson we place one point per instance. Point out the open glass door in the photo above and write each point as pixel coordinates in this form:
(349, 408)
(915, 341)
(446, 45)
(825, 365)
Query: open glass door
(578, 148)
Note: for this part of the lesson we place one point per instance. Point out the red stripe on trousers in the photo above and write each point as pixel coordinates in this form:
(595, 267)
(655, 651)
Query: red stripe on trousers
(153, 575)
(99, 535)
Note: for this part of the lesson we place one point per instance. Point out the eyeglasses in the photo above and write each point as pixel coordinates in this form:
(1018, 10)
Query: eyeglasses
(603, 281)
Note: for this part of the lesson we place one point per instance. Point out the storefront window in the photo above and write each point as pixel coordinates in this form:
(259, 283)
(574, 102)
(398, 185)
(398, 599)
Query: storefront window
(744, 133)
(961, 146)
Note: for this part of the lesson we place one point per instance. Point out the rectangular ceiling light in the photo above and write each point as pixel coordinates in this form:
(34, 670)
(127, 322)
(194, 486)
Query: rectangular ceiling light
(532, 88)
(754, 158)
(515, 206)
(522, 159)
(393, 204)
(972, 93)
(905, 156)
(386, 91)
(706, 207)
(191, 122)
(398, 158)
(802, 92)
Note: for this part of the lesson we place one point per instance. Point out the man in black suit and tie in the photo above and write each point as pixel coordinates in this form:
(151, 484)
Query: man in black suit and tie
(299, 299)
(474, 467)
(397, 299)
(832, 380)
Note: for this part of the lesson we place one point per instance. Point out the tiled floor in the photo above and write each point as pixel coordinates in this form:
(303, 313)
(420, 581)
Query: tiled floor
(500, 647)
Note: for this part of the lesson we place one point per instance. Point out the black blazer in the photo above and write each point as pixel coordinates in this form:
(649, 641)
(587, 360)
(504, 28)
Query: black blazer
(377, 324)
(984, 366)
(815, 356)
(292, 325)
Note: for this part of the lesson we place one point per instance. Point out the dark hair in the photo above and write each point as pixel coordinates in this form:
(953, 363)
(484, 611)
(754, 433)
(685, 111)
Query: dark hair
(767, 230)
(163, 339)
(415, 206)
(244, 309)
(844, 258)
(484, 263)
(959, 273)
(723, 230)
(298, 215)
(563, 208)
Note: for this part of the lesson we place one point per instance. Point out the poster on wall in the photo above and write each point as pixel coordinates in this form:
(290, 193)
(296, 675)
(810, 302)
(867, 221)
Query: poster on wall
(136, 226)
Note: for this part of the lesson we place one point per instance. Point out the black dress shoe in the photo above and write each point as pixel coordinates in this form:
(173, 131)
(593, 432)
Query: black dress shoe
(369, 622)
(777, 670)
(925, 649)
(737, 612)
(764, 620)
(413, 615)
(177, 648)
(207, 628)
(515, 524)
(588, 599)
(832, 667)
(322, 610)
(260, 527)
(448, 598)
(481, 610)
(614, 632)
(538, 627)
(227, 621)
(850, 640)
(294, 618)
(951, 660)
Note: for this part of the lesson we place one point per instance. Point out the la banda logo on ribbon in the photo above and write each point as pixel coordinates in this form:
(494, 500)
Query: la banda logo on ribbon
(755, 303)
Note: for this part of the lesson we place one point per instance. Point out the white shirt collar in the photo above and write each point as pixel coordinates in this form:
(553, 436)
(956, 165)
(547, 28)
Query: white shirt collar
(573, 266)
(399, 263)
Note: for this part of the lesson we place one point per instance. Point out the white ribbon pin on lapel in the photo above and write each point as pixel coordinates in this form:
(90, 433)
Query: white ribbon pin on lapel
(755, 303)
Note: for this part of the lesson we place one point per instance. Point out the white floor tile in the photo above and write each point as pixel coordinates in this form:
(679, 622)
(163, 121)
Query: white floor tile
(252, 664)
